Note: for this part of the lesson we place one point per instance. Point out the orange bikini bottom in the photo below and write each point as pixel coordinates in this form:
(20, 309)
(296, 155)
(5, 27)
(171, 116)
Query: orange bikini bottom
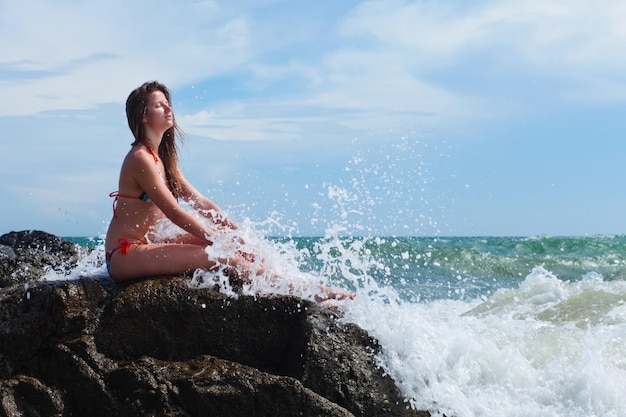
(123, 248)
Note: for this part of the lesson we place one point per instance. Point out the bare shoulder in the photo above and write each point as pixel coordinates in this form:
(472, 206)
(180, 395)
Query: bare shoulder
(138, 157)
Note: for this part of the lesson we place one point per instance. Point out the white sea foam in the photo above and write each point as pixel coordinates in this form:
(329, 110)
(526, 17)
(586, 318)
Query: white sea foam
(549, 348)
(280, 260)
(90, 264)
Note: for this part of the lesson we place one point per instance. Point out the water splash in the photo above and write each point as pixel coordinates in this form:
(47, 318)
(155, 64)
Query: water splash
(547, 348)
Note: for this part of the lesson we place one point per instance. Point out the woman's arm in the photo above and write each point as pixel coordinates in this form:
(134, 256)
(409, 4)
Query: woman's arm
(147, 177)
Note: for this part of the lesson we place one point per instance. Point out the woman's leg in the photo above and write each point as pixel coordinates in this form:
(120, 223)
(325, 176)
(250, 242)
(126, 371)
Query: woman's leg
(169, 259)
(184, 239)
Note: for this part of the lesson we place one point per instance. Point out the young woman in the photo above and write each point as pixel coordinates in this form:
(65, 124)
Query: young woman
(150, 185)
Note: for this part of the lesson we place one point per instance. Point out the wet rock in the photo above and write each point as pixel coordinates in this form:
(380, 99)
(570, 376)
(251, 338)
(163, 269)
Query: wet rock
(26, 396)
(158, 347)
(27, 255)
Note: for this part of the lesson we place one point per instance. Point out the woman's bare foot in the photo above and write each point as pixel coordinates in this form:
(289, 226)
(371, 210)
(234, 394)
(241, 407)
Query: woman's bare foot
(328, 295)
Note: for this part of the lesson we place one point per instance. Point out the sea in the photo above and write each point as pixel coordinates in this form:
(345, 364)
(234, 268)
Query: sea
(469, 326)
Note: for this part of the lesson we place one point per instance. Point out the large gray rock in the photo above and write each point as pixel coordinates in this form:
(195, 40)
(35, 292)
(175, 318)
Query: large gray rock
(160, 348)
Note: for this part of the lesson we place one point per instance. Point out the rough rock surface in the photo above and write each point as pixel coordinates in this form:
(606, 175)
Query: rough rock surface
(160, 348)
(29, 254)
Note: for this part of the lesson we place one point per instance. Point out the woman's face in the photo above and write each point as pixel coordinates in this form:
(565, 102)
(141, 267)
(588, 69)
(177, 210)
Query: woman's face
(158, 114)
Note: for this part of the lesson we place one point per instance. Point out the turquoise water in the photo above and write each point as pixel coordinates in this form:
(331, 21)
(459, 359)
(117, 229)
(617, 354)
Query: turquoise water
(473, 326)
(428, 268)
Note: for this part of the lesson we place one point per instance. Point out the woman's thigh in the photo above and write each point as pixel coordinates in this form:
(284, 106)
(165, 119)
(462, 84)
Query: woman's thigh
(146, 260)
(185, 239)
(159, 259)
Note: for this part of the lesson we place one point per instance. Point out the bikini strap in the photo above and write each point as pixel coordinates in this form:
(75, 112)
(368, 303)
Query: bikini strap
(156, 158)
(115, 195)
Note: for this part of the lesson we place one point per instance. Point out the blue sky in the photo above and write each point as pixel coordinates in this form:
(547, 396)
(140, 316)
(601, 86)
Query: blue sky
(371, 117)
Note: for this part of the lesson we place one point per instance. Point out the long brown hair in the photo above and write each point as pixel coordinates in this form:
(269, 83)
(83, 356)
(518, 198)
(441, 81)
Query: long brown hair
(168, 150)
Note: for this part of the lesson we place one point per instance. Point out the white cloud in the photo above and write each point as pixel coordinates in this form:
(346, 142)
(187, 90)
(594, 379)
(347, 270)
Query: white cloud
(236, 128)
(68, 55)
(71, 55)
(380, 85)
(387, 71)
(558, 36)
(396, 56)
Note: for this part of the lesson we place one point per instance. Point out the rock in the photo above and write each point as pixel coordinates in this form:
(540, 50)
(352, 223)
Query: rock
(158, 347)
(27, 255)
(26, 396)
